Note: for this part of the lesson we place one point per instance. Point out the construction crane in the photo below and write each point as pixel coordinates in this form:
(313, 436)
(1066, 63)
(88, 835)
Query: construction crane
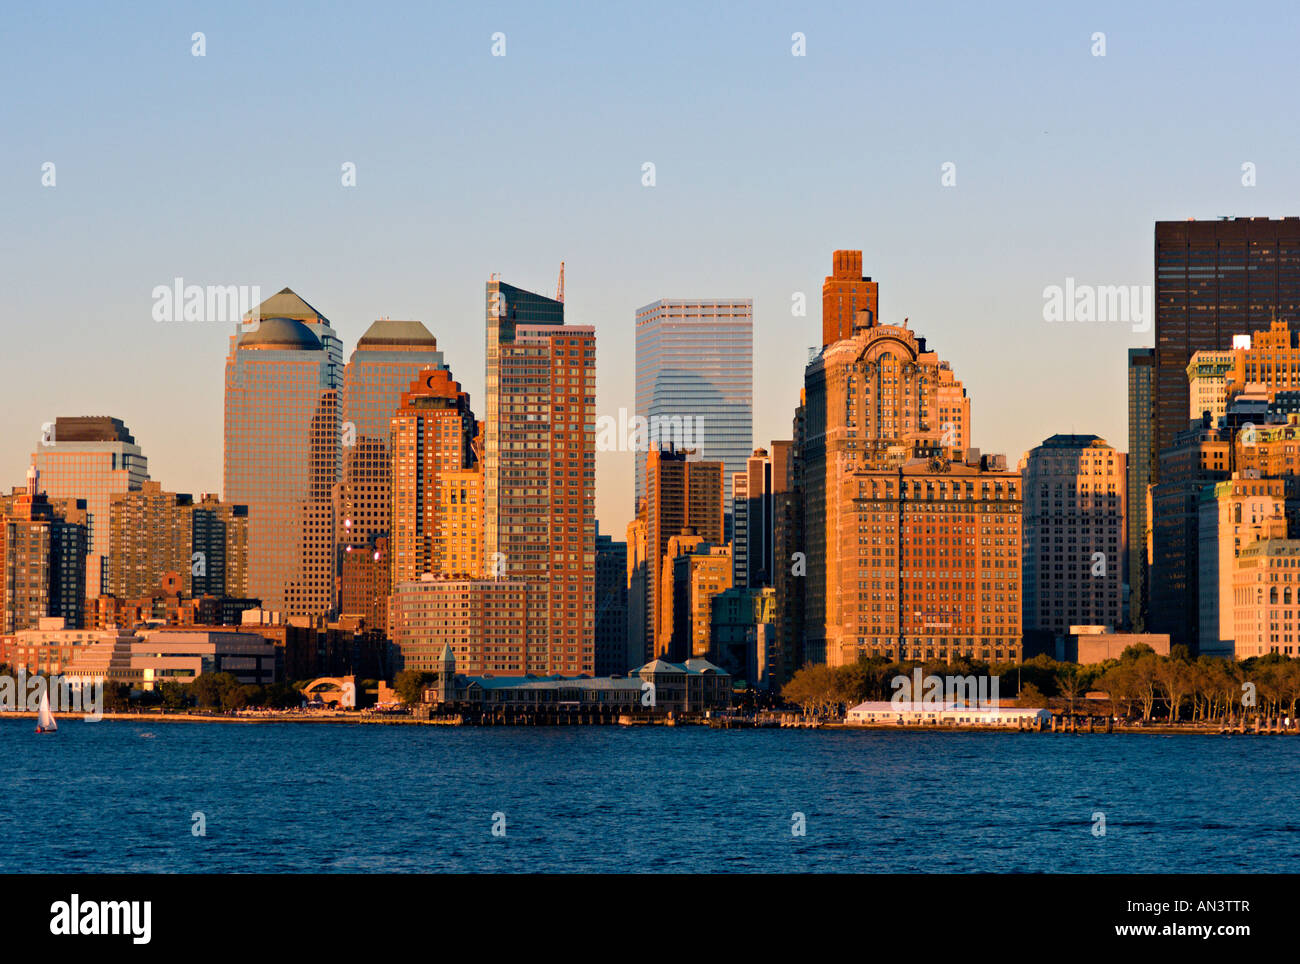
(559, 288)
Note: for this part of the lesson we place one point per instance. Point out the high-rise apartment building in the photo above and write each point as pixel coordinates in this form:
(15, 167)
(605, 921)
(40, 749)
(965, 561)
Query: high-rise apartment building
(540, 472)
(1141, 457)
(507, 308)
(282, 452)
(681, 496)
(1214, 280)
(845, 293)
(151, 534)
(154, 533)
(436, 490)
(42, 560)
(389, 356)
(695, 382)
(1074, 489)
(219, 537)
(91, 457)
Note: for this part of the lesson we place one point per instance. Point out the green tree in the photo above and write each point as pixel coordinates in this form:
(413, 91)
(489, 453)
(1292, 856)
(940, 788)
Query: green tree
(410, 685)
(214, 690)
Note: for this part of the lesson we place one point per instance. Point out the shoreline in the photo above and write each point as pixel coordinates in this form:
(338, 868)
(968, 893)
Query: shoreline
(1156, 729)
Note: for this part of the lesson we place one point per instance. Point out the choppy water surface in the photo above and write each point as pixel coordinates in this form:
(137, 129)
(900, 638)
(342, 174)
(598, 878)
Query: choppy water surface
(120, 796)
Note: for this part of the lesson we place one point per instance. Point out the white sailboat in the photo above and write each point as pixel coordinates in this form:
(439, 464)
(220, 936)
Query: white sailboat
(44, 718)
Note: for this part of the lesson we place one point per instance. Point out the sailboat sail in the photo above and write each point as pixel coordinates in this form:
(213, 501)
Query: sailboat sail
(44, 718)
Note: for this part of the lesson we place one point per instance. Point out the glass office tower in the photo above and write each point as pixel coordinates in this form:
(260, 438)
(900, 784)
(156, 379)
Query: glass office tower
(695, 381)
(282, 458)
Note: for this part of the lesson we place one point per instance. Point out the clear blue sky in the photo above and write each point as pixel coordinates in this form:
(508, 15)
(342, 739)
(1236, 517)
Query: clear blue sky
(225, 169)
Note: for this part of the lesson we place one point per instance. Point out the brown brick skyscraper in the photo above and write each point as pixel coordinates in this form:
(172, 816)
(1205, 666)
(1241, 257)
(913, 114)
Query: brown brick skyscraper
(845, 292)
(1215, 279)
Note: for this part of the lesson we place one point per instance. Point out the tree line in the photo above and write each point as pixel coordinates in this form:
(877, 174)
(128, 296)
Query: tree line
(1141, 683)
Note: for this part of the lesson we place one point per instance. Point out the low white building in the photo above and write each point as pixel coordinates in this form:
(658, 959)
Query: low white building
(944, 714)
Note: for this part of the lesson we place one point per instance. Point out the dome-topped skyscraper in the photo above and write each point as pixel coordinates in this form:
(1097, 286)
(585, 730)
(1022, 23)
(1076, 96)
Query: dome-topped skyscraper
(282, 450)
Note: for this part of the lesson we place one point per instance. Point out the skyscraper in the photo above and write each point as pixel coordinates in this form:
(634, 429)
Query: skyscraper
(150, 534)
(91, 457)
(1073, 488)
(682, 497)
(389, 356)
(433, 479)
(154, 532)
(42, 560)
(282, 453)
(894, 503)
(1200, 454)
(753, 508)
(695, 381)
(507, 308)
(639, 643)
(1214, 280)
(540, 471)
(693, 573)
(220, 535)
(1141, 458)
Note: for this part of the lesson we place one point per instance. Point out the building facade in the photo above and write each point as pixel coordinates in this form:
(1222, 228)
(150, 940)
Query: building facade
(436, 498)
(1074, 493)
(681, 496)
(1199, 455)
(1141, 460)
(611, 607)
(845, 293)
(43, 560)
(1266, 599)
(1233, 514)
(91, 457)
(693, 573)
(482, 620)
